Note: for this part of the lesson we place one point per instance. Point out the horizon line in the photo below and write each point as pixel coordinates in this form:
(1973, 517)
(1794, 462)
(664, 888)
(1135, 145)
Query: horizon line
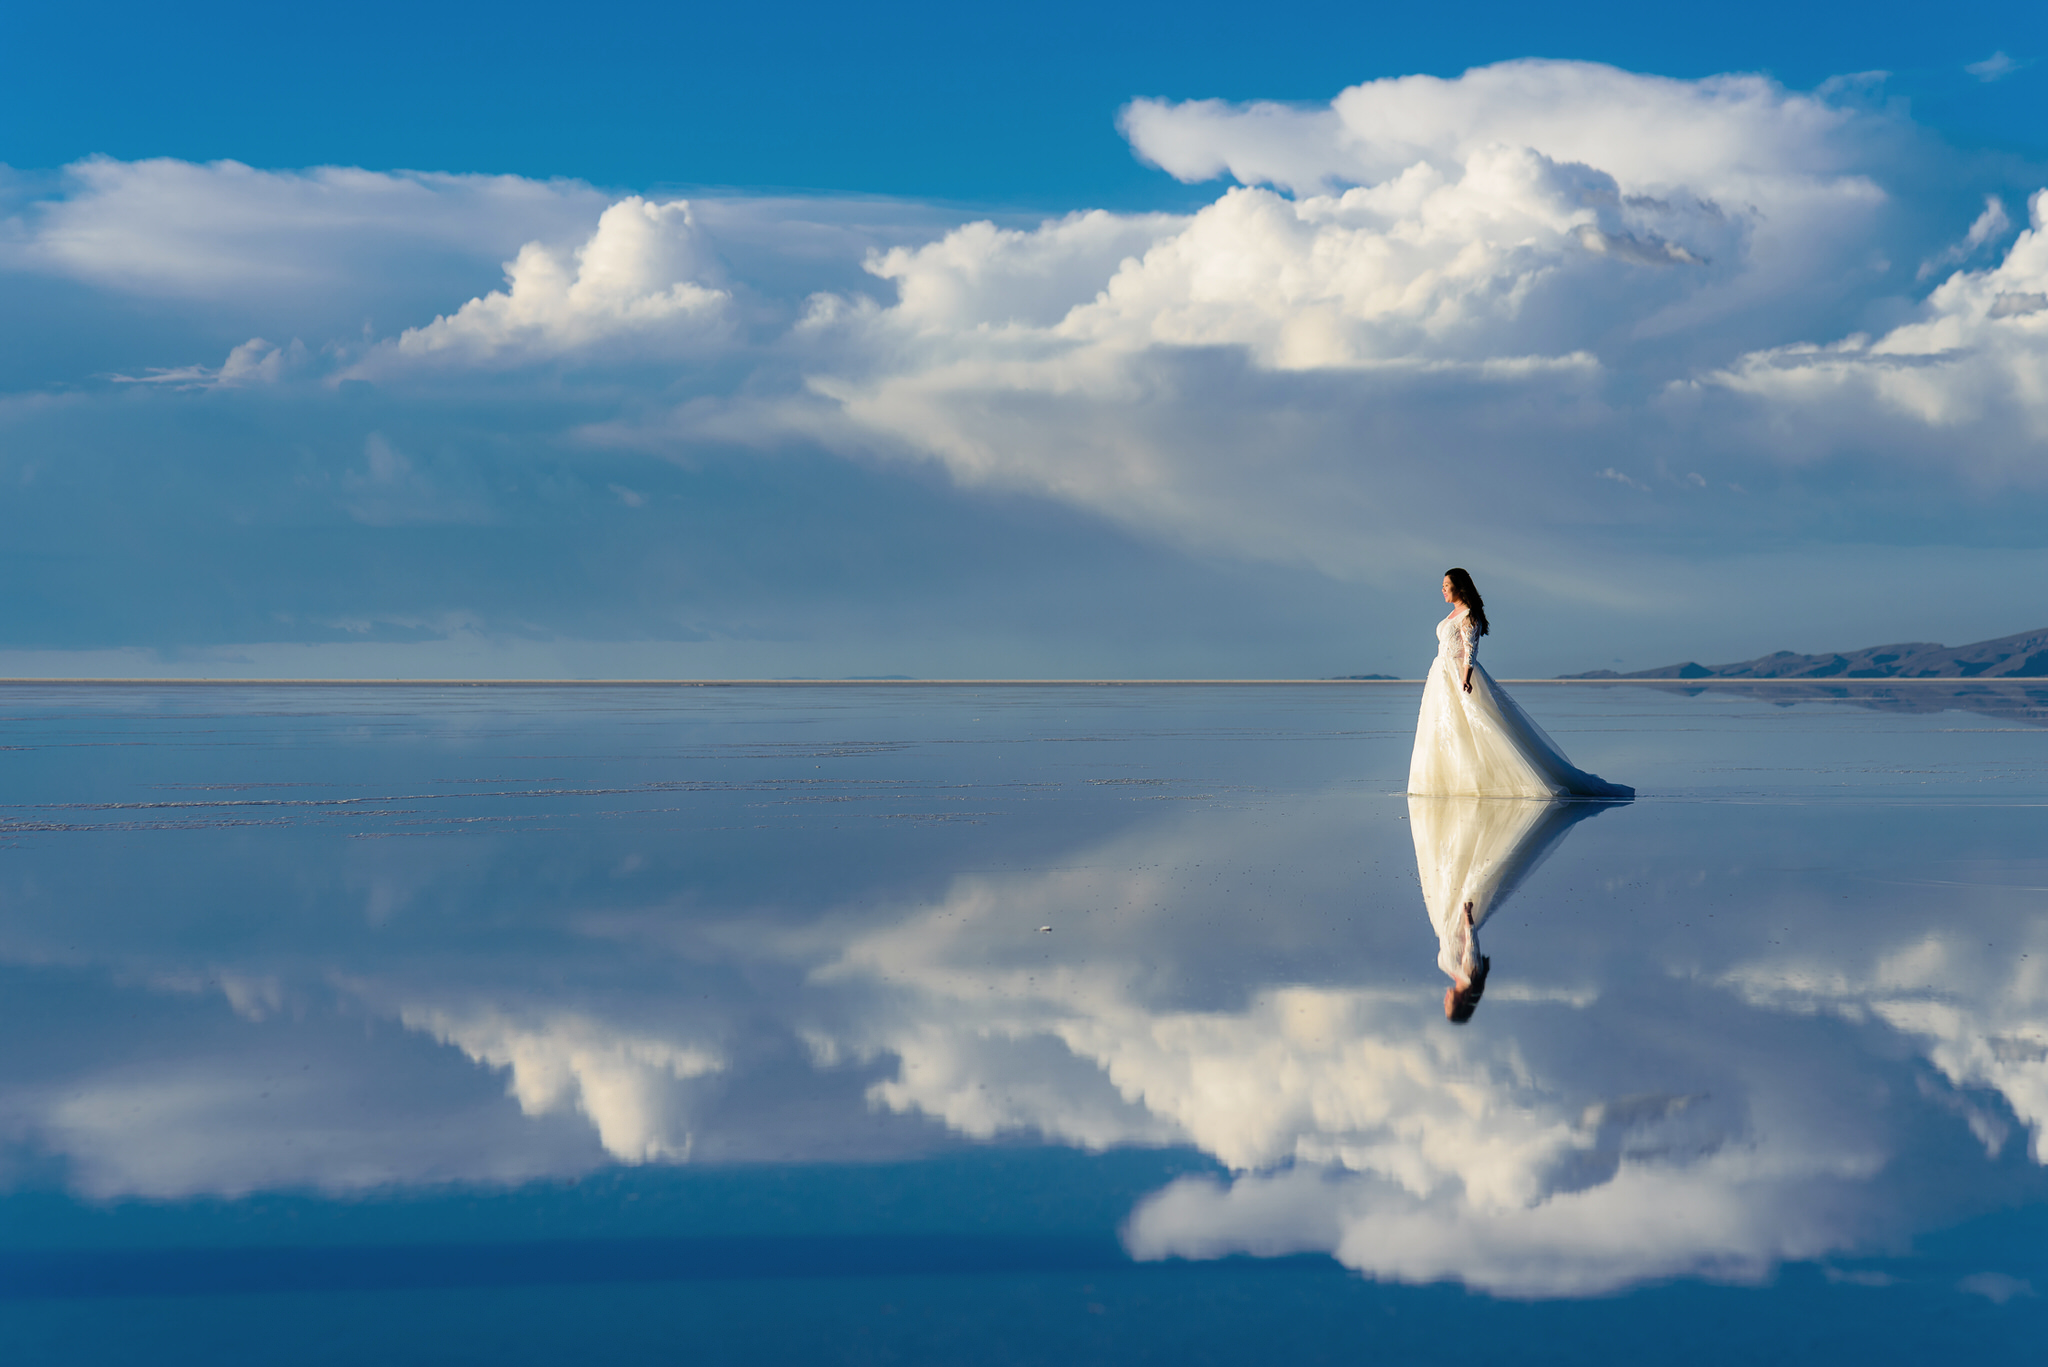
(176, 681)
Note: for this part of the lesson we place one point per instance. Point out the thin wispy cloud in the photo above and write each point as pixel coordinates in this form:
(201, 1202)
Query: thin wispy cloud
(1995, 67)
(1987, 228)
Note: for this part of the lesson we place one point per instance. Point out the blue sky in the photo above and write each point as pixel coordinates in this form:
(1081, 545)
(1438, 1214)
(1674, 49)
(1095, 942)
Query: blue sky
(433, 340)
(961, 103)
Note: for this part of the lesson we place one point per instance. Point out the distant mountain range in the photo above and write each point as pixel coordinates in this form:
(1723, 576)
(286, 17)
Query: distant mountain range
(2024, 656)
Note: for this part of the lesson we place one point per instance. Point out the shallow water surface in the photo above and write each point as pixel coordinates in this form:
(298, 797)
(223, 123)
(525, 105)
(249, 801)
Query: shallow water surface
(1019, 1024)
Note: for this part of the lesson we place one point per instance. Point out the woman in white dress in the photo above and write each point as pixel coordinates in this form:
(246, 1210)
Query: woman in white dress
(1472, 740)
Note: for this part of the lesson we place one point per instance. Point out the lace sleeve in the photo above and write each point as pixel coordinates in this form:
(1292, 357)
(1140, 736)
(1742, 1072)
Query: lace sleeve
(1468, 643)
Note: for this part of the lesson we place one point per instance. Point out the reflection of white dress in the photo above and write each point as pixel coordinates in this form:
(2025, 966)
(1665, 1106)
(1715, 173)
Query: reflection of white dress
(1481, 744)
(1478, 850)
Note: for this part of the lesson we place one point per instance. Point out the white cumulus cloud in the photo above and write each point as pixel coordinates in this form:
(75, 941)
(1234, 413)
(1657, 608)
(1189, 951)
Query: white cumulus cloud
(1962, 387)
(1719, 134)
(1482, 281)
(633, 278)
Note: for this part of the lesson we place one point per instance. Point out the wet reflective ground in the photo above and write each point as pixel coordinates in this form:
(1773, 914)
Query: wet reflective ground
(1029, 1024)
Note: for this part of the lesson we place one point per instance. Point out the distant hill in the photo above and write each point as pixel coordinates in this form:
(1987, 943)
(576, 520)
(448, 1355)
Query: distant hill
(2024, 656)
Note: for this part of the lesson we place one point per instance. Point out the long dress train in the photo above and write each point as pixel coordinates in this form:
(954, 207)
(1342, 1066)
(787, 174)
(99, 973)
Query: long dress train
(1482, 744)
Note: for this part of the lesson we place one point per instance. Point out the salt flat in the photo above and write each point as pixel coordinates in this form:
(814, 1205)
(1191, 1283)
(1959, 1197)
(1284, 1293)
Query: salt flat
(1004, 1023)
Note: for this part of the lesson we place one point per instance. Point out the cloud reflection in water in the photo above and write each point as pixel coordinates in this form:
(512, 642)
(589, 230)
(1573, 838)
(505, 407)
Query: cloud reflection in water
(1724, 1034)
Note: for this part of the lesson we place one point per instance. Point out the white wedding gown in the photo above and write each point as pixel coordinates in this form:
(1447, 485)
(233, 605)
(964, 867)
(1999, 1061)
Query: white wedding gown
(1481, 744)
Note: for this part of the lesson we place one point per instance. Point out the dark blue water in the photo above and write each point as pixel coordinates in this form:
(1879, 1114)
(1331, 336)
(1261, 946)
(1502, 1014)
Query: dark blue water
(1022, 1025)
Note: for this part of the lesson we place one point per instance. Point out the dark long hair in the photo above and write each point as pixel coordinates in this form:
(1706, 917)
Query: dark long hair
(1467, 593)
(1466, 1002)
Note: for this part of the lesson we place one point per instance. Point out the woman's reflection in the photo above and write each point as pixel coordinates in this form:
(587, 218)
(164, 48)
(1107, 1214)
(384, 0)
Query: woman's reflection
(1471, 853)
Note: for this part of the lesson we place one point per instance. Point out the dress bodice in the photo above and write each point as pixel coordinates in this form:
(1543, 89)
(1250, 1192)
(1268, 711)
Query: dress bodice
(1457, 642)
